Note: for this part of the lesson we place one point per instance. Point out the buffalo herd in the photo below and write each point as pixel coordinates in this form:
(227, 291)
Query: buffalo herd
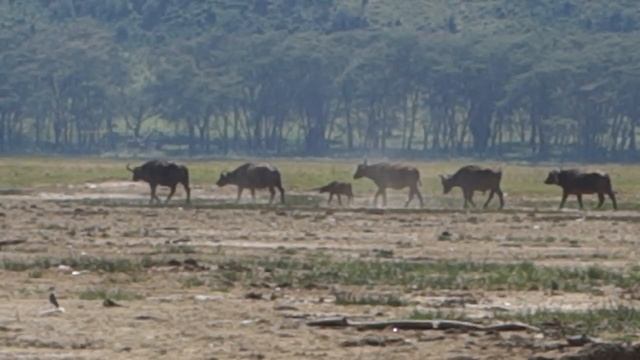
(469, 179)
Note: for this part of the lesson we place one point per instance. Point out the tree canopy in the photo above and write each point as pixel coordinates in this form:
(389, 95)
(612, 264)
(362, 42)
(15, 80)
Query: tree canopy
(535, 79)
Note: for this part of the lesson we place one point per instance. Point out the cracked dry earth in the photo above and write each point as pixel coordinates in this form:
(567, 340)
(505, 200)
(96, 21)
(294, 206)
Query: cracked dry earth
(191, 310)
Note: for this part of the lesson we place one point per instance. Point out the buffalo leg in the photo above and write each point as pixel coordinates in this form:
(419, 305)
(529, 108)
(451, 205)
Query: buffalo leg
(579, 196)
(153, 193)
(565, 195)
(384, 197)
(253, 194)
(171, 192)
(600, 200)
(471, 199)
(486, 204)
(272, 191)
(187, 189)
(339, 200)
(411, 194)
(465, 196)
(152, 190)
(375, 197)
(240, 189)
(416, 191)
(500, 197)
(281, 190)
(612, 195)
(330, 198)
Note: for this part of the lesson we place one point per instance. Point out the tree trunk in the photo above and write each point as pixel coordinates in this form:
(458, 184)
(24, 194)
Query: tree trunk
(479, 118)
(632, 138)
(192, 137)
(349, 126)
(3, 117)
(225, 133)
(414, 115)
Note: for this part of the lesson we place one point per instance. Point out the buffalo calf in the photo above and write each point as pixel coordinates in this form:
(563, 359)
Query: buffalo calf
(473, 178)
(337, 188)
(163, 173)
(576, 182)
(252, 177)
(394, 176)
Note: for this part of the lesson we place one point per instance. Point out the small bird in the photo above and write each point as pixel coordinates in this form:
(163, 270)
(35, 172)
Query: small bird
(52, 298)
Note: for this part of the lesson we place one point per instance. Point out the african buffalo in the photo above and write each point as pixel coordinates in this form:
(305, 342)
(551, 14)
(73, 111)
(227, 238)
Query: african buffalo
(394, 176)
(337, 188)
(576, 182)
(254, 177)
(473, 178)
(163, 173)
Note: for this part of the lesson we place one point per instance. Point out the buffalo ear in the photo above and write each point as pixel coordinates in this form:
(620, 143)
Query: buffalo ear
(129, 168)
(442, 177)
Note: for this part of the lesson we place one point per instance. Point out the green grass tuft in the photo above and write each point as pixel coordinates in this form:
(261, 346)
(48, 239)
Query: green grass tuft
(113, 294)
(192, 282)
(349, 298)
(456, 275)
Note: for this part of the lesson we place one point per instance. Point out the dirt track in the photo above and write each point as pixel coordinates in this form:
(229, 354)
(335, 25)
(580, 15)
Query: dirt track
(174, 316)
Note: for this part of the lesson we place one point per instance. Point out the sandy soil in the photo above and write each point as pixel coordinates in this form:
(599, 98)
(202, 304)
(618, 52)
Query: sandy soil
(174, 321)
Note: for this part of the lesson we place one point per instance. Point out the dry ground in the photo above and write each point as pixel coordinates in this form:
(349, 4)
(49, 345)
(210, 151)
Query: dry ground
(262, 272)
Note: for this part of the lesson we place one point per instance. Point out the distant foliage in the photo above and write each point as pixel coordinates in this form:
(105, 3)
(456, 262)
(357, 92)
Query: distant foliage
(531, 79)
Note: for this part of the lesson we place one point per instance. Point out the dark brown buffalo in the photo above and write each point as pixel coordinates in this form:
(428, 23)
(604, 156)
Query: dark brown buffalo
(473, 178)
(576, 182)
(252, 177)
(337, 188)
(394, 176)
(163, 173)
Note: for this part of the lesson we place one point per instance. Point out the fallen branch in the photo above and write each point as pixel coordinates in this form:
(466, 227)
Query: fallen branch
(342, 322)
(330, 322)
(11, 242)
(514, 326)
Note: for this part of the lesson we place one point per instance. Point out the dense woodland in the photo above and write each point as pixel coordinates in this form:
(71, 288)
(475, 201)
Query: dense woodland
(538, 79)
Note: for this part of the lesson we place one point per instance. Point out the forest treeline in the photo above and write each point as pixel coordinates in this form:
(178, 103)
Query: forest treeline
(534, 79)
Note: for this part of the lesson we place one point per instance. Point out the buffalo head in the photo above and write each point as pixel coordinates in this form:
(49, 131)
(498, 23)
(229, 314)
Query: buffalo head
(447, 184)
(361, 170)
(136, 171)
(224, 179)
(553, 178)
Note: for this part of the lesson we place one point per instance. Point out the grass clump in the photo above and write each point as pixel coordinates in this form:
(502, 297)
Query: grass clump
(113, 294)
(456, 275)
(349, 298)
(96, 264)
(192, 282)
(181, 249)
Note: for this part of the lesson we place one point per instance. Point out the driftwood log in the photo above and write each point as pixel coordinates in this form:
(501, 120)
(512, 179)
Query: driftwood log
(342, 322)
(11, 242)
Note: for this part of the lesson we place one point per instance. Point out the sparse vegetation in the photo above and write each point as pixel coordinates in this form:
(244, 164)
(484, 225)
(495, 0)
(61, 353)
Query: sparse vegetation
(350, 298)
(35, 274)
(619, 319)
(113, 294)
(102, 264)
(434, 275)
(180, 249)
(192, 281)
